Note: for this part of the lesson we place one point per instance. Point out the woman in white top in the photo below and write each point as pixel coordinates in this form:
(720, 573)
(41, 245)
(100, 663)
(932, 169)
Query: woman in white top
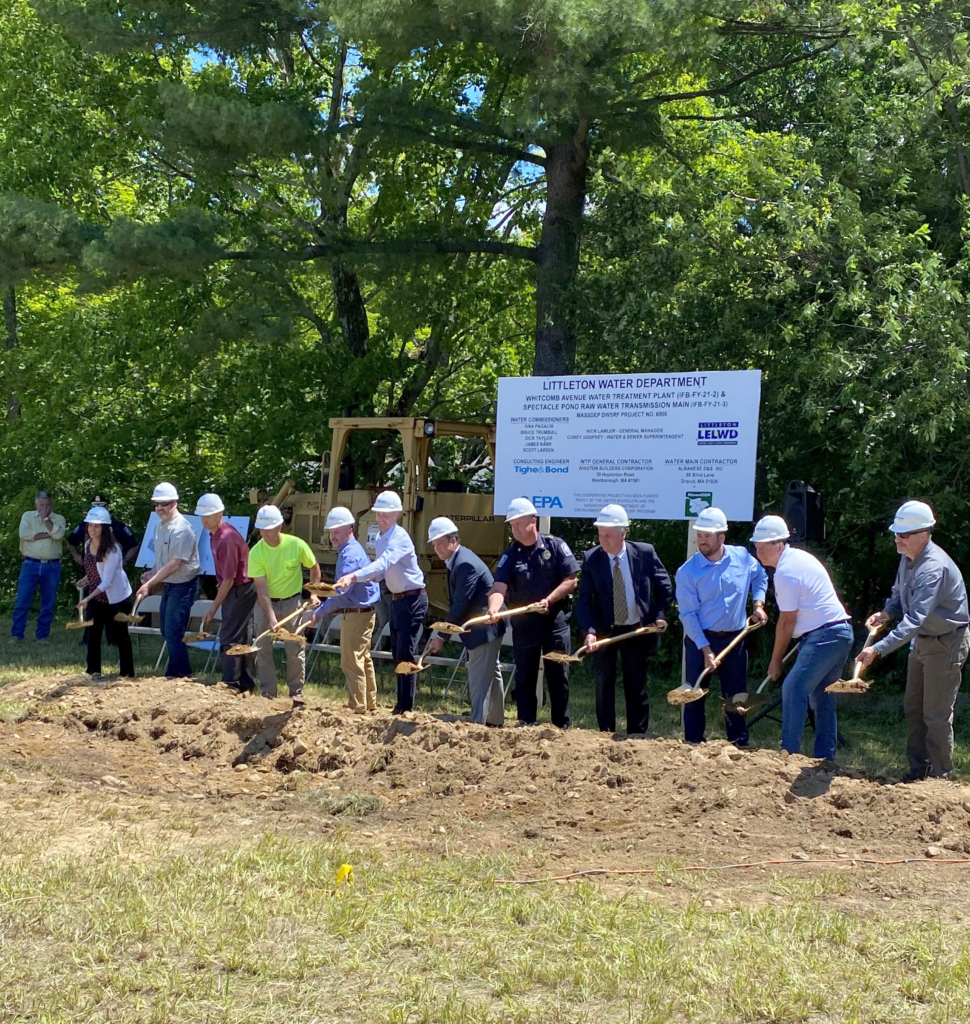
(109, 592)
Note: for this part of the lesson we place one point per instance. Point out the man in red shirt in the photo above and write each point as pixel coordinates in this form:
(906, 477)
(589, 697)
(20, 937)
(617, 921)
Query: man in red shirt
(236, 595)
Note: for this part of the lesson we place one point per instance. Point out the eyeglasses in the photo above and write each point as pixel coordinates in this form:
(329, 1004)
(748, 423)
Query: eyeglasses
(906, 536)
(163, 504)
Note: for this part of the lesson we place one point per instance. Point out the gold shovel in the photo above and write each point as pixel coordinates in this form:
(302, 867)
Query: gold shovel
(79, 622)
(135, 620)
(481, 620)
(321, 589)
(561, 656)
(743, 703)
(686, 694)
(855, 683)
(405, 668)
(237, 650)
(195, 638)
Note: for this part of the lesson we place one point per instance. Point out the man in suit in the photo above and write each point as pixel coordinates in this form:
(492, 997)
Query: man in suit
(623, 585)
(469, 582)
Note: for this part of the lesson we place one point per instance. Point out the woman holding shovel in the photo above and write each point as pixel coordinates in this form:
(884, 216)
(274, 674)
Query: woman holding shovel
(108, 593)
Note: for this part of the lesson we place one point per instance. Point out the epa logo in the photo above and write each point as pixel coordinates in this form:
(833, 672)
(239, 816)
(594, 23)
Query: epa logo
(545, 501)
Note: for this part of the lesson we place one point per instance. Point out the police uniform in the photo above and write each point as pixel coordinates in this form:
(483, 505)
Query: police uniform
(531, 574)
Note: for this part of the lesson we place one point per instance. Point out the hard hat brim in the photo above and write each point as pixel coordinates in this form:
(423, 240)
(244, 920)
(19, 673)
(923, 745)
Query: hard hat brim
(621, 526)
(520, 515)
(911, 529)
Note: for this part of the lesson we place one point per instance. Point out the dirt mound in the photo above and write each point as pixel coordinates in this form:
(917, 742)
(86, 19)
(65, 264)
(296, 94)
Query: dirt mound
(581, 795)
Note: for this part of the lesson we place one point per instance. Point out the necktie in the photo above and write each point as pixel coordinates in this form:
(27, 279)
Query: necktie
(620, 611)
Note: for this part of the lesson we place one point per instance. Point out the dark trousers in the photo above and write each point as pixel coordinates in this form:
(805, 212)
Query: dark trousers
(407, 617)
(237, 628)
(103, 620)
(733, 678)
(533, 636)
(173, 614)
(633, 661)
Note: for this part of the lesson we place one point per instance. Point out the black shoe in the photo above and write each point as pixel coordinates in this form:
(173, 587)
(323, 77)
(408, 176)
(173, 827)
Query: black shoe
(299, 704)
(915, 775)
(398, 710)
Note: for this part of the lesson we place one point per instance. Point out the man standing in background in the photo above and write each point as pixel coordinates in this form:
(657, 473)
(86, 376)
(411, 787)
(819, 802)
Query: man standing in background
(41, 532)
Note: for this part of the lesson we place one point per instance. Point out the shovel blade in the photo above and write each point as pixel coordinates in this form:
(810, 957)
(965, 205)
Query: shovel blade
(559, 656)
(76, 624)
(237, 650)
(405, 668)
(447, 627)
(194, 638)
(746, 704)
(685, 695)
(848, 686)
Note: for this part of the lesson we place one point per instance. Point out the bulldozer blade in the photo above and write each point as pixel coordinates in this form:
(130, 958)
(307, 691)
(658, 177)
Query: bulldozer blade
(685, 695)
(447, 627)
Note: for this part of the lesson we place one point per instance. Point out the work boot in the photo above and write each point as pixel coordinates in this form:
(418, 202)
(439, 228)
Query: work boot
(916, 774)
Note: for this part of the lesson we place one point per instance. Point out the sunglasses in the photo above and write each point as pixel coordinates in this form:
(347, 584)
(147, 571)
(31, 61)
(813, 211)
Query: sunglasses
(163, 504)
(906, 536)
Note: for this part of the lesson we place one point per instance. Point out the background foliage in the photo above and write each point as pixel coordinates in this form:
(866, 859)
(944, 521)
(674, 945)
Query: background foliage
(221, 224)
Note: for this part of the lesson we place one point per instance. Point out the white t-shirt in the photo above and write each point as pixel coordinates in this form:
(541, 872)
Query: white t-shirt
(803, 586)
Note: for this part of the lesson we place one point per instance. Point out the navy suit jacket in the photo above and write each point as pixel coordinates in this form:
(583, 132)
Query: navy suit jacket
(469, 582)
(651, 587)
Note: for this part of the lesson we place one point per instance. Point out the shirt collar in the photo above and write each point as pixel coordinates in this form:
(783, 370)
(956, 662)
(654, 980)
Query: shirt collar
(449, 562)
(621, 554)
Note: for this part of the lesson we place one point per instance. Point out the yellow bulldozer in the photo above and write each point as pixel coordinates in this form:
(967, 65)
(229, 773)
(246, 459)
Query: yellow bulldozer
(306, 513)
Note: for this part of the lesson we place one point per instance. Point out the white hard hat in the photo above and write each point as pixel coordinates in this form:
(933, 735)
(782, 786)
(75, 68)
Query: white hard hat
(387, 501)
(440, 527)
(770, 528)
(338, 516)
(911, 516)
(98, 514)
(711, 520)
(519, 507)
(268, 517)
(612, 515)
(165, 492)
(208, 505)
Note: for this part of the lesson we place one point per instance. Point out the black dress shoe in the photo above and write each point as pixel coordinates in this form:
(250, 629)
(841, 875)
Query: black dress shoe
(915, 775)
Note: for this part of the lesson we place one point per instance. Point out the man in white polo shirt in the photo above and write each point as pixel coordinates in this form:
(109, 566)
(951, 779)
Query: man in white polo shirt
(811, 612)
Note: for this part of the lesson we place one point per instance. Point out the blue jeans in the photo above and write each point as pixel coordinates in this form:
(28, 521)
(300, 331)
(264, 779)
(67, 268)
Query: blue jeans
(173, 614)
(34, 574)
(821, 656)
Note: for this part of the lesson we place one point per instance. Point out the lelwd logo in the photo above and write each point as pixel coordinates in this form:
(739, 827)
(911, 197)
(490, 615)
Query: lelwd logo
(696, 501)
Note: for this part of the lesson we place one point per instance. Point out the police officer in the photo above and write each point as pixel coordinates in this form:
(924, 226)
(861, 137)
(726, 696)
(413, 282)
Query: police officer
(536, 569)
(930, 599)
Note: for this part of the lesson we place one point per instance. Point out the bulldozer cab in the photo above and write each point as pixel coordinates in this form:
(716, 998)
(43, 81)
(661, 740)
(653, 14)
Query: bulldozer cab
(472, 513)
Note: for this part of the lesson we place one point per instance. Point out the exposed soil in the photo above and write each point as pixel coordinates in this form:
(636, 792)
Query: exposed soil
(578, 799)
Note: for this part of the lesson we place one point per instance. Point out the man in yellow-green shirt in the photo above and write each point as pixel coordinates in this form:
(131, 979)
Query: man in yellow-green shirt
(276, 566)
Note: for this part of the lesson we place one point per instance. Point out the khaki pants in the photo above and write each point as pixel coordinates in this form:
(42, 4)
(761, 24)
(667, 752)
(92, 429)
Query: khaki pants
(356, 630)
(295, 652)
(933, 675)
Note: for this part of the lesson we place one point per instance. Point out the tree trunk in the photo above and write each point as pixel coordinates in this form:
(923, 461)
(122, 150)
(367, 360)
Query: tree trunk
(10, 322)
(558, 255)
(350, 309)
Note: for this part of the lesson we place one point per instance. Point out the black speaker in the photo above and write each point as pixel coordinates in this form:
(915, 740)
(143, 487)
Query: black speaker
(804, 513)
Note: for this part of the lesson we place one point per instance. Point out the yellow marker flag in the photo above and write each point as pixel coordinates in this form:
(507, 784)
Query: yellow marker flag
(345, 873)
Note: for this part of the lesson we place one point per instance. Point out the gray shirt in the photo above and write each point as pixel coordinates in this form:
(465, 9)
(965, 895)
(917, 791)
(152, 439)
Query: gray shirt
(929, 597)
(176, 539)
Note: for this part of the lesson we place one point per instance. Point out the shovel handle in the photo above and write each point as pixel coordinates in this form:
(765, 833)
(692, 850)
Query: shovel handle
(718, 660)
(279, 622)
(481, 620)
(856, 667)
(640, 631)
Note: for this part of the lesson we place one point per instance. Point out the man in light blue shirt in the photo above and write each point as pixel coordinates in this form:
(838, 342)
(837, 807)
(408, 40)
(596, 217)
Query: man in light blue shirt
(357, 606)
(397, 565)
(712, 597)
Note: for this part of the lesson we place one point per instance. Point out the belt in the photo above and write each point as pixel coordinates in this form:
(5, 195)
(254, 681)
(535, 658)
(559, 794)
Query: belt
(277, 600)
(350, 611)
(937, 636)
(41, 561)
(721, 632)
(407, 593)
(827, 625)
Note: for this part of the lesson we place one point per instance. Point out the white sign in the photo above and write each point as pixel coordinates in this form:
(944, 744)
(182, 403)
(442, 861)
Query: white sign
(146, 554)
(664, 446)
